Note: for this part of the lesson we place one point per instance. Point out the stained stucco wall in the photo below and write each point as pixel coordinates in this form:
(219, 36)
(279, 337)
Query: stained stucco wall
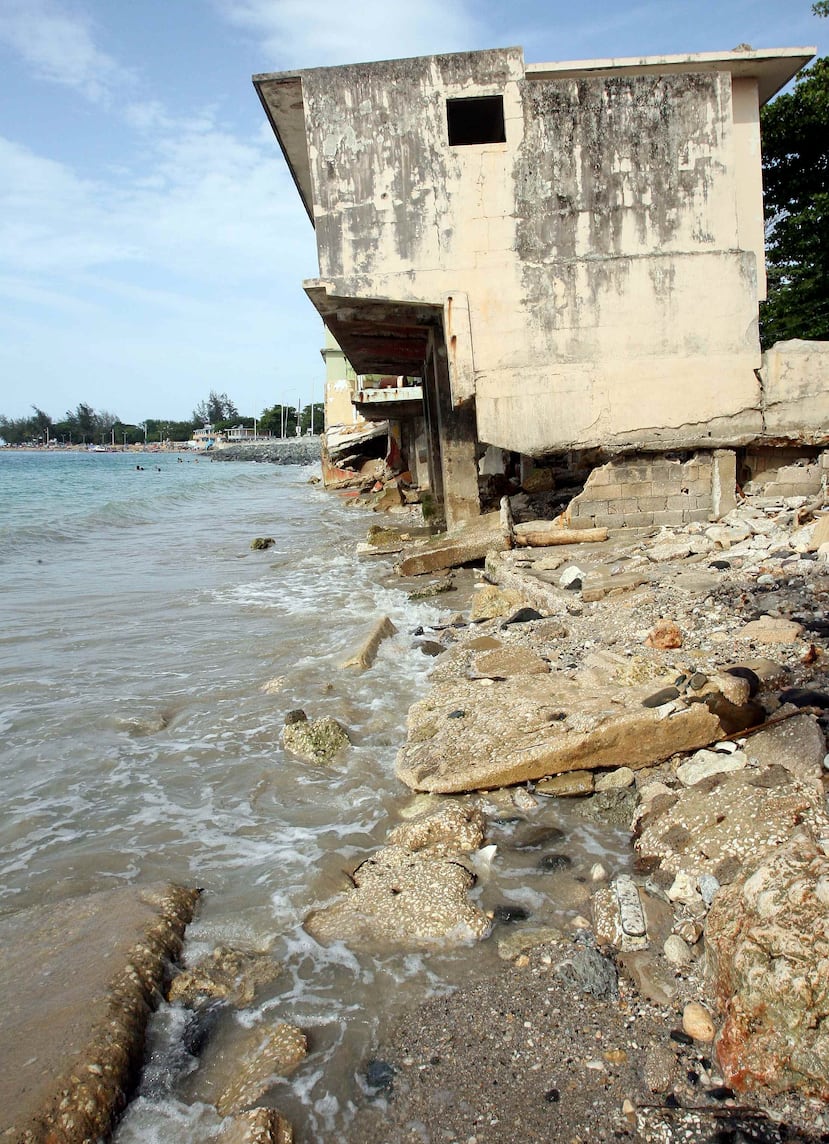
(605, 250)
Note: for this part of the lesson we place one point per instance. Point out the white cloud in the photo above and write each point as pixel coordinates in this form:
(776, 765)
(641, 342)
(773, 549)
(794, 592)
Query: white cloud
(294, 33)
(59, 45)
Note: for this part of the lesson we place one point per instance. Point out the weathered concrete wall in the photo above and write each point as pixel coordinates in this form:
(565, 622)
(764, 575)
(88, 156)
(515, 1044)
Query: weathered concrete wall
(608, 249)
(340, 385)
(795, 379)
(642, 491)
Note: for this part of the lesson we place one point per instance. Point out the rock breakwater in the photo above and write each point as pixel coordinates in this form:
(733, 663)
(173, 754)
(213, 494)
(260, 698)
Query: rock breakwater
(301, 451)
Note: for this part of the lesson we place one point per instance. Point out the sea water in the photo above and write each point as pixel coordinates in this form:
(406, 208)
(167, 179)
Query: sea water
(148, 658)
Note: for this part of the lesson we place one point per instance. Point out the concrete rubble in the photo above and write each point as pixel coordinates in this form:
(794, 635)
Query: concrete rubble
(690, 697)
(412, 892)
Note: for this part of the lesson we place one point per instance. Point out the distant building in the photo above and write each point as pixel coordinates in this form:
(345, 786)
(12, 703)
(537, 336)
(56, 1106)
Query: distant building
(240, 433)
(204, 438)
(569, 255)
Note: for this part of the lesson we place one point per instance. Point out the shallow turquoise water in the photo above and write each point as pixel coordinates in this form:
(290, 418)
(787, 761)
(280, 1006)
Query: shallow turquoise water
(137, 743)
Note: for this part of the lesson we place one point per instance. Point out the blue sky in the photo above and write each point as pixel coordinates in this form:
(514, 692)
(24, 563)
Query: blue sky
(152, 244)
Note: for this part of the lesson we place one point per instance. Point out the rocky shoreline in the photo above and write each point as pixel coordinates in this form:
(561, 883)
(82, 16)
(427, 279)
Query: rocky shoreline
(294, 451)
(690, 1001)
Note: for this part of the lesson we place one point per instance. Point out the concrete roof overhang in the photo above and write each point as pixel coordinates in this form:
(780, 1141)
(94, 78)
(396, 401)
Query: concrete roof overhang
(377, 335)
(771, 67)
(281, 96)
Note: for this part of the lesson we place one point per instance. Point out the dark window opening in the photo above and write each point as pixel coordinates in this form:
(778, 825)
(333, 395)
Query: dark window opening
(477, 120)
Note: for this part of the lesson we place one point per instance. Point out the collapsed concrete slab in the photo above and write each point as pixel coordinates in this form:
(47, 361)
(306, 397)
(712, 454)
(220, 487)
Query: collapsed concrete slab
(465, 546)
(474, 735)
(79, 980)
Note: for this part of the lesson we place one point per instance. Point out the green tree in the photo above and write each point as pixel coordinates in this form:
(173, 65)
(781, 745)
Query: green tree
(821, 7)
(217, 407)
(318, 418)
(795, 129)
(42, 424)
(277, 417)
(16, 430)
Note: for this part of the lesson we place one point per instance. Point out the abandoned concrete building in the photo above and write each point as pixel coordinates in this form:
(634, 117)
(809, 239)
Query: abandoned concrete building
(569, 256)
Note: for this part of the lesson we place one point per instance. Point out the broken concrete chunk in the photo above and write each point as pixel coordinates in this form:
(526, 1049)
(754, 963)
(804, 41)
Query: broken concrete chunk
(490, 602)
(403, 898)
(513, 733)
(466, 546)
(80, 979)
(704, 763)
(618, 917)
(225, 974)
(453, 826)
(767, 630)
(630, 907)
(797, 744)
(269, 1055)
(366, 653)
(257, 1126)
(768, 948)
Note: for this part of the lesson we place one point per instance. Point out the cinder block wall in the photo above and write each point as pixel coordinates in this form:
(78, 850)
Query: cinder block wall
(784, 472)
(643, 491)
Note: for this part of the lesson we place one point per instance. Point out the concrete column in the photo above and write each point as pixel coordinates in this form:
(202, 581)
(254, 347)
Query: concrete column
(723, 482)
(458, 443)
(430, 418)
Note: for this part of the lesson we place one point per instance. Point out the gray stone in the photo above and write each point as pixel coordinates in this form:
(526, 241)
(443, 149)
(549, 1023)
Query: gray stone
(585, 969)
(798, 744)
(676, 951)
(619, 779)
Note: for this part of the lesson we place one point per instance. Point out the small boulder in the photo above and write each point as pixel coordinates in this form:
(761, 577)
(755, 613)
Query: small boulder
(490, 602)
(572, 578)
(262, 543)
(314, 741)
(664, 636)
(697, 1022)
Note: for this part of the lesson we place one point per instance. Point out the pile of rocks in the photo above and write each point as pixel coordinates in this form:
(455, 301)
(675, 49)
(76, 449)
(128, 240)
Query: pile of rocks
(639, 673)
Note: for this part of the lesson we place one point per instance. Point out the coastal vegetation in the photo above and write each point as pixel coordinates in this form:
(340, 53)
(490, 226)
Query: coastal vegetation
(85, 425)
(795, 132)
